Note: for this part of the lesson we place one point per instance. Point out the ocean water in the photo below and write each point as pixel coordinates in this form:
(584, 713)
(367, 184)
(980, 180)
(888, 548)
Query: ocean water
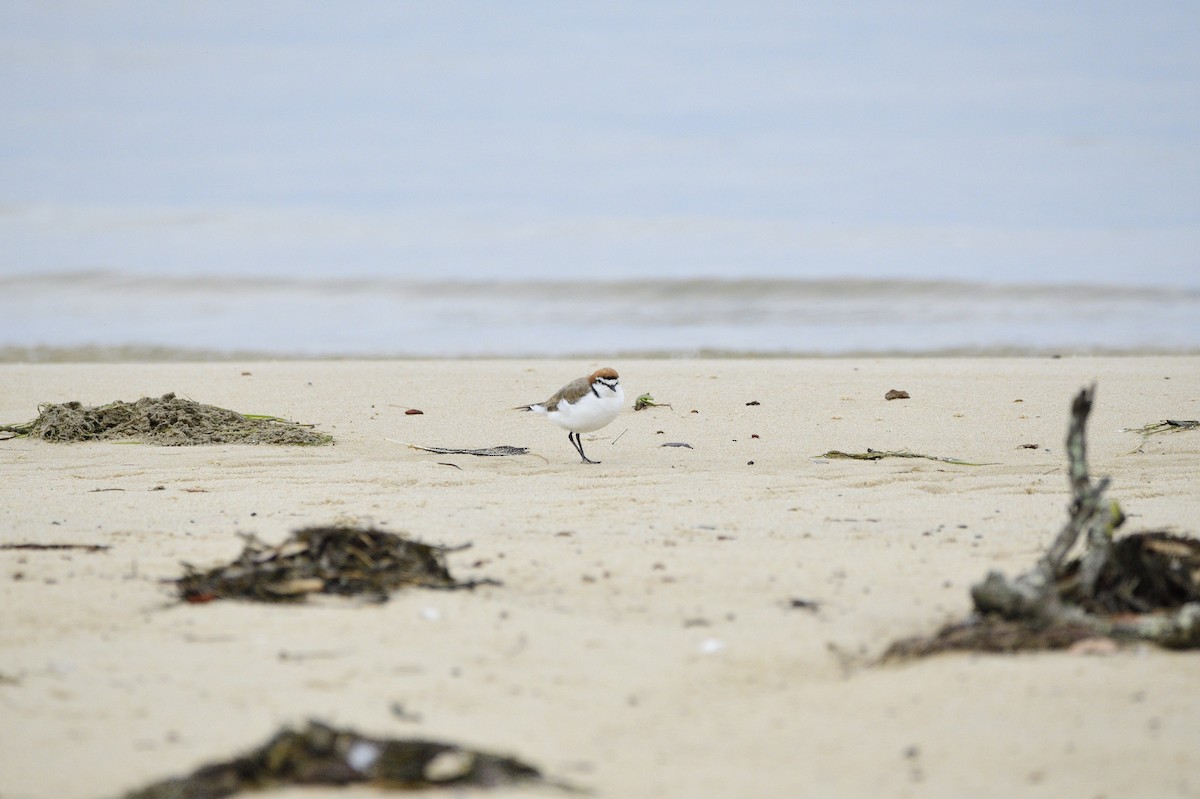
(378, 317)
(537, 178)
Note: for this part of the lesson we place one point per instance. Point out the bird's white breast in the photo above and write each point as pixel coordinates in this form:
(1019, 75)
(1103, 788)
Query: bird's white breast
(590, 412)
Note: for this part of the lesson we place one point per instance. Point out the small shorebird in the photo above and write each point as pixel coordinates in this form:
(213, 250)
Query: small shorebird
(583, 405)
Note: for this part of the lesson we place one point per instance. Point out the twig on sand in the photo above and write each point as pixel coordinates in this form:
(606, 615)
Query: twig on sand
(487, 452)
(876, 455)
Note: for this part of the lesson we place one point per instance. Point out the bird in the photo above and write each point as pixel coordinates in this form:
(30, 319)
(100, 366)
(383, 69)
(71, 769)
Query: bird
(583, 406)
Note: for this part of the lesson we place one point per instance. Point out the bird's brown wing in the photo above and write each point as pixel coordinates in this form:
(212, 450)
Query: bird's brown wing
(569, 393)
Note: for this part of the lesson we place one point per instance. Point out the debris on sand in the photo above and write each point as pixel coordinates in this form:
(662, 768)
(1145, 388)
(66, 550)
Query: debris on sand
(167, 420)
(347, 561)
(877, 455)
(324, 755)
(1165, 426)
(484, 452)
(1157, 428)
(646, 401)
(1140, 587)
(56, 547)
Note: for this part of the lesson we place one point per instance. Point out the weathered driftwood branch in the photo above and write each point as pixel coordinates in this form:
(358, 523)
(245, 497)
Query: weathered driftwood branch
(1062, 592)
(1034, 594)
(1144, 586)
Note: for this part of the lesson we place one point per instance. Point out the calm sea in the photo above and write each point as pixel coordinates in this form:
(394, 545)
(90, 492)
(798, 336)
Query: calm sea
(381, 317)
(543, 178)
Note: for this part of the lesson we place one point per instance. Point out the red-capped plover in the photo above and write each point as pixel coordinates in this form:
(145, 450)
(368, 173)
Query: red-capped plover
(583, 406)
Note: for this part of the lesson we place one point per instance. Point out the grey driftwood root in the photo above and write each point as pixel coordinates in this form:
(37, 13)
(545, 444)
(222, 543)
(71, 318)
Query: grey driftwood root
(1061, 592)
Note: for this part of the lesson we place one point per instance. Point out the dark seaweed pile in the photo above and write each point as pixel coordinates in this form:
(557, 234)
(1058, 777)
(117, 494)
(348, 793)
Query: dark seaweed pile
(167, 420)
(323, 755)
(347, 561)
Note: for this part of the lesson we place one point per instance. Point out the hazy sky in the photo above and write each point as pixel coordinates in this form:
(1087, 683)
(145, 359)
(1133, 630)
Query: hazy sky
(1024, 141)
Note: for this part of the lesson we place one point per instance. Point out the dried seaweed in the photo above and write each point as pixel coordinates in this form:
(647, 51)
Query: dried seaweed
(876, 455)
(1165, 426)
(1157, 428)
(168, 420)
(647, 401)
(1140, 587)
(486, 452)
(1142, 573)
(57, 547)
(992, 634)
(346, 561)
(324, 755)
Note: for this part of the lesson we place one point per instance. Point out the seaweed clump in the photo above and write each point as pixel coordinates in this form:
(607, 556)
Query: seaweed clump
(324, 755)
(1141, 587)
(167, 420)
(345, 561)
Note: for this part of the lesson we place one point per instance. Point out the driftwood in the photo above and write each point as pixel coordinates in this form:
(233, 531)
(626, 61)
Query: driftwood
(1034, 593)
(1139, 587)
(1079, 592)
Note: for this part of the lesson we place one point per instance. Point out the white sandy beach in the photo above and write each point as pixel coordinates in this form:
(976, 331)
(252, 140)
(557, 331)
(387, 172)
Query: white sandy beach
(643, 642)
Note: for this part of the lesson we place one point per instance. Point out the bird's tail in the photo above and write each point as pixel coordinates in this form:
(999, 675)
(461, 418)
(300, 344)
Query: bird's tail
(535, 407)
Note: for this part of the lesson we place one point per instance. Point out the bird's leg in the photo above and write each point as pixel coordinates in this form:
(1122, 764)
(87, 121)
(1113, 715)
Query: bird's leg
(577, 442)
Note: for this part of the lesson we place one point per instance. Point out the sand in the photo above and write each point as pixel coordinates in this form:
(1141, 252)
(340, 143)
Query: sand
(644, 642)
